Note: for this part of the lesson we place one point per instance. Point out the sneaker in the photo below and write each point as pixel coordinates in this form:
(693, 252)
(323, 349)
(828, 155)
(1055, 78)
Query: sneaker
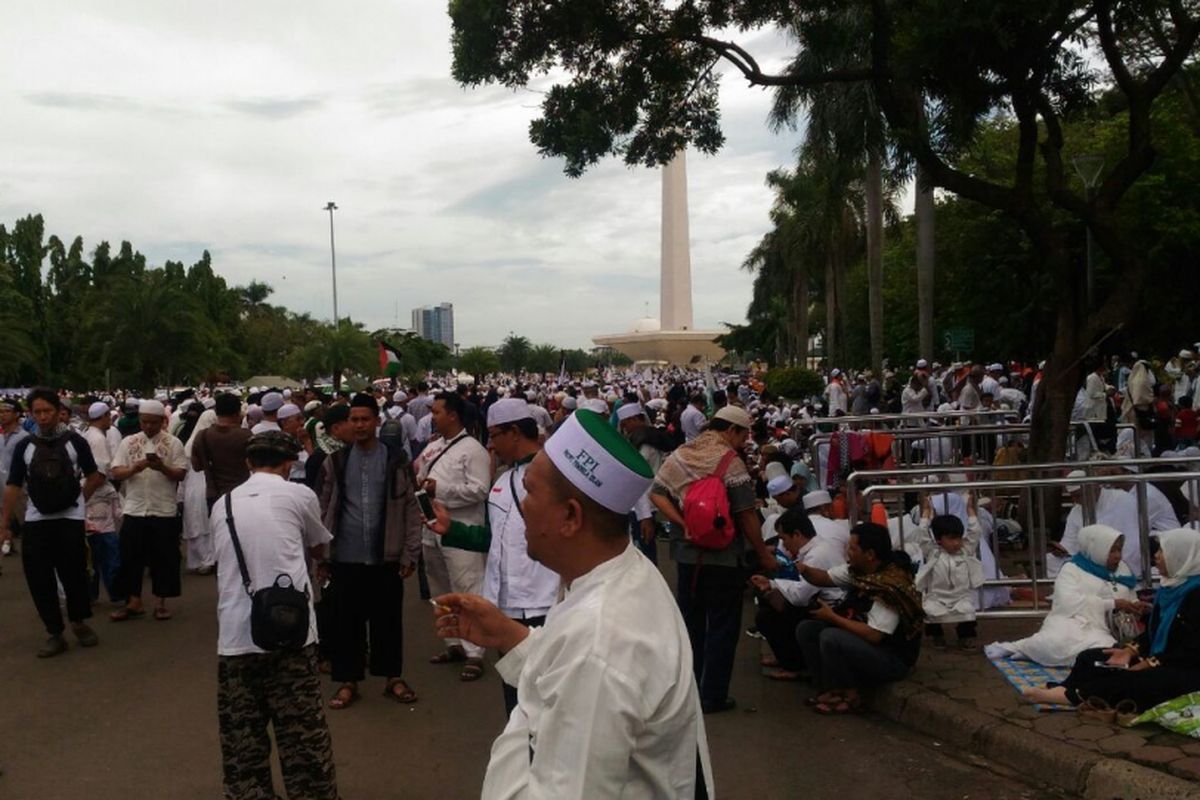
(53, 646)
(86, 636)
(968, 644)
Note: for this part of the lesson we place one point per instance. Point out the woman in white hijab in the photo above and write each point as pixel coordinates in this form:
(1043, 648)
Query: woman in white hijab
(196, 532)
(1164, 662)
(1089, 588)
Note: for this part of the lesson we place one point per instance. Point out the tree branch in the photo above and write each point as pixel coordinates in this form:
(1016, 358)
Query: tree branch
(748, 66)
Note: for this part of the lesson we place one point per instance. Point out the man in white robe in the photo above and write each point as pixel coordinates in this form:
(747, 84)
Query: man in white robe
(607, 699)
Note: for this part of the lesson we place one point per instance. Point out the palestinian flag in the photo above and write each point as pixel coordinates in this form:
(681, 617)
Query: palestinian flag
(389, 360)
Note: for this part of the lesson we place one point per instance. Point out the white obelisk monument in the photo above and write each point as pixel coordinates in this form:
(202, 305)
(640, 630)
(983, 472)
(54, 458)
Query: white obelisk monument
(675, 303)
(671, 338)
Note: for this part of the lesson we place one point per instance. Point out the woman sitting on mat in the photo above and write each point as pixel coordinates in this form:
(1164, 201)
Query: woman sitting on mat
(874, 634)
(1088, 589)
(1165, 662)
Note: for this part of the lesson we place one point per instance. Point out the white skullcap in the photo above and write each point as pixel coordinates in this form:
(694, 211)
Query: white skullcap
(779, 485)
(569, 403)
(98, 410)
(922, 363)
(510, 409)
(271, 401)
(774, 470)
(599, 461)
(287, 394)
(997, 367)
(311, 406)
(595, 404)
(816, 499)
(289, 410)
(629, 410)
(399, 397)
(1074, 487)
(152, 408)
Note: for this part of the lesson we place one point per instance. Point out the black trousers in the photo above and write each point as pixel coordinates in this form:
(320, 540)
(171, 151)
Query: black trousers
(1147, 688)
(368, 605)
(710, 601)
(779, 629)
(56, 547)
(510, 692)
(280, 691)
(963, 630)
(150, 542)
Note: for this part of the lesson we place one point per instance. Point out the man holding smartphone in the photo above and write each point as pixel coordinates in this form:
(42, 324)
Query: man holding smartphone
(150, 464)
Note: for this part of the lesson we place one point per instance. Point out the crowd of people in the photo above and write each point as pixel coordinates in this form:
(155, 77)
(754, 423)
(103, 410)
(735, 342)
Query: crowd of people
(522, 507)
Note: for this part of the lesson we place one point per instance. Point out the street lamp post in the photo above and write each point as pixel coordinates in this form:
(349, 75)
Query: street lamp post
(1088, 167)
(331, 207)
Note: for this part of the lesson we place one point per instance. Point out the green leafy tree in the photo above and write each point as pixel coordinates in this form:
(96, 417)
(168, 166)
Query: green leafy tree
(544, 358)
(478, 361)
(514, 353)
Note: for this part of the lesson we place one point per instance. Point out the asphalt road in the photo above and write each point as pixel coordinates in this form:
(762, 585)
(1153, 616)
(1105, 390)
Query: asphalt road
(136, 718)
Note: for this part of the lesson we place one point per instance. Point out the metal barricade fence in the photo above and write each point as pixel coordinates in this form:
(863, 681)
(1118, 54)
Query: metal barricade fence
(1049, 470)
(1038, 537)
(904, 439)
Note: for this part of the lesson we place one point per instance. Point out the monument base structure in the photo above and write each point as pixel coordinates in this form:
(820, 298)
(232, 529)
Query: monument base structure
(668, 347)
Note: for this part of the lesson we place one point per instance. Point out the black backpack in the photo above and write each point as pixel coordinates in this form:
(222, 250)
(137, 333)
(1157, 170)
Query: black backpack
(52, 483)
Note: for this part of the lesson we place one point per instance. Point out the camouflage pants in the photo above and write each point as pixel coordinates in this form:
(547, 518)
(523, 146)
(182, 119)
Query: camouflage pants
(282, 690)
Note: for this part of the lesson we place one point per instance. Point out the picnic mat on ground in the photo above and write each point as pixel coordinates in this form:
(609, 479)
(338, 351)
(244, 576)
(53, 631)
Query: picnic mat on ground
(1028, 675)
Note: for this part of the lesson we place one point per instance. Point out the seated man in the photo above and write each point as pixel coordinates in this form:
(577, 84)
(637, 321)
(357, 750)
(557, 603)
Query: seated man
(783, 604)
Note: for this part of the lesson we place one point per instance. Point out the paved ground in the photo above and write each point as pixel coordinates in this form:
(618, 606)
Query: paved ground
(136, 717)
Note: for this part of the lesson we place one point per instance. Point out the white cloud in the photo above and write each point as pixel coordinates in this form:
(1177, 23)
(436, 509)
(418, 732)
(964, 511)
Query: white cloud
(228, 126)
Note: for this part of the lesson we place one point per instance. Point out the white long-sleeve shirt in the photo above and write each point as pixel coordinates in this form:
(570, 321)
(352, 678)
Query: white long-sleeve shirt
(608, 706)
(462, 470)
(514, 582)
(821, 554)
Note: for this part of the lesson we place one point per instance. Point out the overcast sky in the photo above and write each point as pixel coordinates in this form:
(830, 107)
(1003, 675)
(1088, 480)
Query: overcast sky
(227, 126)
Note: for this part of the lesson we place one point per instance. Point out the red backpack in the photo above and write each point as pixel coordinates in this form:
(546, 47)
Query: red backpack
(706, 516)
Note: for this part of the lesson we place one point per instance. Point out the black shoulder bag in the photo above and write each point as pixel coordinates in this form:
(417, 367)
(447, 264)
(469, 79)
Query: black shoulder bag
(278, 613)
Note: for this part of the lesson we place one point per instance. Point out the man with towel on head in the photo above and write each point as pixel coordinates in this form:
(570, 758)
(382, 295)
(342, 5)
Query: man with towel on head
(608, 705)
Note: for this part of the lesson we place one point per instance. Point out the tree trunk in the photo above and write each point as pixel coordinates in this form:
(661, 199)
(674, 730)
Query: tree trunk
(924, 210)
(800, 316)
(831, 312)
(875, 257)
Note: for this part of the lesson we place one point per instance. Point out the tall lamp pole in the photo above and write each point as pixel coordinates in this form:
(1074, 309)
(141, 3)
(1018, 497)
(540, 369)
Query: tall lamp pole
(331, 207)
(1088, 167)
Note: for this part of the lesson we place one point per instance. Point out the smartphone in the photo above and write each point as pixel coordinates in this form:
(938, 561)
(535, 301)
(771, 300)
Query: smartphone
(152, 456)
(425, 504)
(1107, 665)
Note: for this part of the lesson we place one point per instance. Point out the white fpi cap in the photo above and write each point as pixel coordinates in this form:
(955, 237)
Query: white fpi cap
(817, 499)
(510, 409)
(599, 461)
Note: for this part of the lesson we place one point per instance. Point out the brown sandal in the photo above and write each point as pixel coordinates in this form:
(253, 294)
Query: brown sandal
(344, 697)
(124, 614)
(449, 656)
(407, 696)
(472, 670)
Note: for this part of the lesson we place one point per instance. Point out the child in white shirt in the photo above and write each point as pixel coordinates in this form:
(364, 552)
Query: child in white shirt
(950, 573)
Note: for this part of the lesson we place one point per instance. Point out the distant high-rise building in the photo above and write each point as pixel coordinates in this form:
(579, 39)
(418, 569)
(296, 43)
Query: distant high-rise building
(435, 323)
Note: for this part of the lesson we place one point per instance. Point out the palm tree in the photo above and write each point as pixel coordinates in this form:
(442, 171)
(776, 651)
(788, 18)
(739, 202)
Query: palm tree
(514, 352)
(844, 123)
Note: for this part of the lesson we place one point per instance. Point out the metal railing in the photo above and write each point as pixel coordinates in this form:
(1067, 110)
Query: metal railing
(1037, 536)
(926, 416)
(860, 477)
(931, 437)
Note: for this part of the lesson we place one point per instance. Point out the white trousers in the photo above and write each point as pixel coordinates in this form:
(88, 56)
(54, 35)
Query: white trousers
(449, 569)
